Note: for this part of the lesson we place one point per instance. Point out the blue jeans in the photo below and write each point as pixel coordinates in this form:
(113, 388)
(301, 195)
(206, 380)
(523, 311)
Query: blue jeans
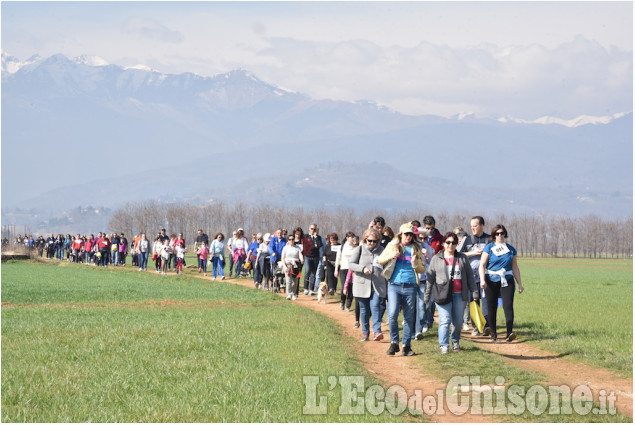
(257, 272)
(143, 260)
(401, 295)
(370, 307)
(310, 271)
(217, 267)
(421, 308)
(451, 312)
(115, 258)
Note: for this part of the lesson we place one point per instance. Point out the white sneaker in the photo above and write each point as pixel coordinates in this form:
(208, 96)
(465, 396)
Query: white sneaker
(466, 327)
(306, 292)
(289, 296)
(419, 336)
(424, 329)
(293, 298)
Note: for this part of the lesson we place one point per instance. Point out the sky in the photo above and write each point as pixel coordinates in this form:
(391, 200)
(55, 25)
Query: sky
(516, 59)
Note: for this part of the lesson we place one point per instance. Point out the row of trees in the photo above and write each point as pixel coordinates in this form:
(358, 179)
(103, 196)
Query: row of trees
(536, 235)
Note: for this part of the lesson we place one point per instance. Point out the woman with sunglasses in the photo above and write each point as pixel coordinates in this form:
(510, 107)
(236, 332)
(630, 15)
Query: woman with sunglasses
(450, 267)
(403, 285)
(369, 286)
(499, 273)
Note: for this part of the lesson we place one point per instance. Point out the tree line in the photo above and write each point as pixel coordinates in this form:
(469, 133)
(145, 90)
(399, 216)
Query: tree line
(532, 235)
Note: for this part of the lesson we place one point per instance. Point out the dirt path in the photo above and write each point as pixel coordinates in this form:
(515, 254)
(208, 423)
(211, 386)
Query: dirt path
(399, 370)
(389, 370)
(525, 356)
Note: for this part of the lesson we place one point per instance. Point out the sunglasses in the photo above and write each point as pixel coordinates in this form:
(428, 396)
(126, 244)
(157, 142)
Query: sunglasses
(500, 233)
(451, 242)
(371, 240)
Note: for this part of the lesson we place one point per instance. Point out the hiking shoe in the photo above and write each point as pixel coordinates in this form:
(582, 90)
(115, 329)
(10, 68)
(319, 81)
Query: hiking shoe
(487, 332)
(341, 306)
(466, 327)
(378, 336)
(356, 324)
(475, 332)
(419, 336)
(456, 347)
(407, 351)
(444, 349)
(394, 348)
(510, 337)
(364, 338)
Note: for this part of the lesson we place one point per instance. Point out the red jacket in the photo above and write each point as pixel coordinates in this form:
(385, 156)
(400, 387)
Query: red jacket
(436, 241)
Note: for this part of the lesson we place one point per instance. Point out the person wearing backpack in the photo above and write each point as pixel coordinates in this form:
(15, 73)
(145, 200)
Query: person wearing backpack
(449, 281)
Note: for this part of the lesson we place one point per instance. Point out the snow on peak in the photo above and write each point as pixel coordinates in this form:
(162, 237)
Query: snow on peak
(11, 64)
(574, 122)
(90, 60)
(141, 67)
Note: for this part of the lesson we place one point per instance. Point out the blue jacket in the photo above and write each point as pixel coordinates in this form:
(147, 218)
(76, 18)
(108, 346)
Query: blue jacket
(276, 246)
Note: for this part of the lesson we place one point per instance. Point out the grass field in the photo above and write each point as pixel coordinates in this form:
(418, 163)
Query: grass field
(580, 308)
(104, 345)
(91, 345)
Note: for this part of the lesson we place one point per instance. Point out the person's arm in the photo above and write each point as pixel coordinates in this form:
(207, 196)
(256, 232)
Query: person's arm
(481, 269)
(431, 279)
(467, 271)
(516, 272)
(353, 262)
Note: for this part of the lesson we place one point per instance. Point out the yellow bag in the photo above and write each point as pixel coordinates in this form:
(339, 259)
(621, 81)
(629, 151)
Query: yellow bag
(477, 316)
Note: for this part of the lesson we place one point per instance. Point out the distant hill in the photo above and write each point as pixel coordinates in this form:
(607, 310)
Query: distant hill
(82, 132)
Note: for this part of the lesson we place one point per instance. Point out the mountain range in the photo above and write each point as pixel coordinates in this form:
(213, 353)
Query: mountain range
(79, 131)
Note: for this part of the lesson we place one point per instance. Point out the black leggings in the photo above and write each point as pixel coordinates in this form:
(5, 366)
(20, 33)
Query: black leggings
(492, 292)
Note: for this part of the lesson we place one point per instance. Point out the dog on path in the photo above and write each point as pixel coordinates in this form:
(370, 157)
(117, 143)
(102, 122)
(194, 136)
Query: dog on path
(322, 292)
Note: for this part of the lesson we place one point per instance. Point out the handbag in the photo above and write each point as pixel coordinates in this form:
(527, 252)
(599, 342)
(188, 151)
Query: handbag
(389, 269)
(442, 292)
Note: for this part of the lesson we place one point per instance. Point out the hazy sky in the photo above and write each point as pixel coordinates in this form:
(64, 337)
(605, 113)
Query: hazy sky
(521, 59)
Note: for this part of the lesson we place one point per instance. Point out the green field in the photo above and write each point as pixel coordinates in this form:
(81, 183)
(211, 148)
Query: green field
(579, 308)
(81, 343)
(95, 345)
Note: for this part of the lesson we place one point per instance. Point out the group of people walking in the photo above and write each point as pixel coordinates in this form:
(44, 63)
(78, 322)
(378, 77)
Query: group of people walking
(414, 272)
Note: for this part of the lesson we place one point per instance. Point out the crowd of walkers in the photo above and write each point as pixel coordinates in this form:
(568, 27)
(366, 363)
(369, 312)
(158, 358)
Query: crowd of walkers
(416, 271)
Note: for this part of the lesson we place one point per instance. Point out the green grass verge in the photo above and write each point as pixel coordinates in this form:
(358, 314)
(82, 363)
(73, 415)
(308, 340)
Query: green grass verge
(76, 348)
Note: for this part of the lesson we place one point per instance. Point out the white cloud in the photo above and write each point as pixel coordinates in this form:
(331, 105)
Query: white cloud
(149, 28)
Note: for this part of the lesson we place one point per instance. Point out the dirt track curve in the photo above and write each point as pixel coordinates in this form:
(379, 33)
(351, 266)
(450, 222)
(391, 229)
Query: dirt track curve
(399, 370)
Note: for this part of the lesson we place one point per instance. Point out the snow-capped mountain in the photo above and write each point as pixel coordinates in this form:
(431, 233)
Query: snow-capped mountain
(575, 122)
(125, 133)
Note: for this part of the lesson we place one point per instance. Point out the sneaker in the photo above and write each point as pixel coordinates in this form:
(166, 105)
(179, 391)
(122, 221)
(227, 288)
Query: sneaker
(331, 292)
(394, 348)
(200, 270)
(348, 309)
(311, 293)
(341, 306)
(424, 329)
(466, 327)
(140, 269)
(492, 338)
(475, 332)
(293, 297)
(419, 336)
(306, 292)
(407, 351)
(364, 338)
(487, 332)
(456, 347)
(378, 336)
(510, 337)
(222, 278)
(444, 349)
(289, 296)
(356, 324)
